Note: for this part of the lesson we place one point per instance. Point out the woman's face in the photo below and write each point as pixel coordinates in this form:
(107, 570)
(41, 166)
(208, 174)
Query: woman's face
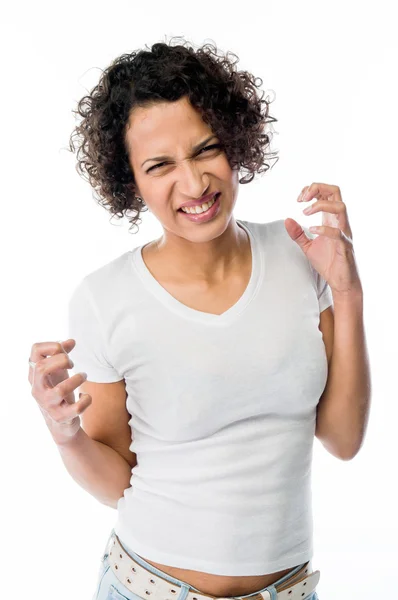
(172, 130)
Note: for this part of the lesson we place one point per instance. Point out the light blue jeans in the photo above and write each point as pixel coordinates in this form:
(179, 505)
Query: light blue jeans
(110, 588)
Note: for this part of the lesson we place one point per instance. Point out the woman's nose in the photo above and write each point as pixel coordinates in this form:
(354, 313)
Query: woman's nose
(191, 181)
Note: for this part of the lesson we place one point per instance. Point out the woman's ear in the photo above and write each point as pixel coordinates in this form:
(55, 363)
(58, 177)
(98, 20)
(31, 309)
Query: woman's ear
(133, 190)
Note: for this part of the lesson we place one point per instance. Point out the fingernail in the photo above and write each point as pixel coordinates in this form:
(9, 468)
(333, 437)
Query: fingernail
(62, 346)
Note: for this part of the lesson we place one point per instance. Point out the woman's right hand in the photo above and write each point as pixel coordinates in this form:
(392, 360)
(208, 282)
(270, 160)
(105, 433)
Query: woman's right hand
(53, 389)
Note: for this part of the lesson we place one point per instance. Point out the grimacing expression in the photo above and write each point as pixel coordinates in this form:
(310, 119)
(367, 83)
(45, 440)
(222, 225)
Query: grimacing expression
(175, 158)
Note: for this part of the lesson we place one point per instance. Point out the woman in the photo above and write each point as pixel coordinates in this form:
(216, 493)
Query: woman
(205, 342)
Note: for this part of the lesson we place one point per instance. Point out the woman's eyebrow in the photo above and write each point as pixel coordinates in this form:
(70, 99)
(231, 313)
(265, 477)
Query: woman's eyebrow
(194, 149)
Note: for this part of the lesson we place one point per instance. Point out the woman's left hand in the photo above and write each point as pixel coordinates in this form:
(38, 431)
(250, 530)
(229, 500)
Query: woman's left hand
(332, 252)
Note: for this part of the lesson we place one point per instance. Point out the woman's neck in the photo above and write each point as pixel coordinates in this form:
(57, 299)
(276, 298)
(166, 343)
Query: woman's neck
(211, 262)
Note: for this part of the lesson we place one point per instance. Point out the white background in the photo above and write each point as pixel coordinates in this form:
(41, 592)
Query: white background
(333, 68)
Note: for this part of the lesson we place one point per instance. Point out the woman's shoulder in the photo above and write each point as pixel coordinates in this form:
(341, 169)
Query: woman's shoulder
(269, 231)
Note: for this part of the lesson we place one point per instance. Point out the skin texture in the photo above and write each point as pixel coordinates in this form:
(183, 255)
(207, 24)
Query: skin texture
(204, 265)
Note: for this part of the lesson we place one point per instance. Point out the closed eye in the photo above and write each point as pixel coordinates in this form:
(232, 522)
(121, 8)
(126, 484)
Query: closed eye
(200, 151)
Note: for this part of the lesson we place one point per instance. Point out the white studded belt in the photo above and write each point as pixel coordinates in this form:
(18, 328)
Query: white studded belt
(146, 584)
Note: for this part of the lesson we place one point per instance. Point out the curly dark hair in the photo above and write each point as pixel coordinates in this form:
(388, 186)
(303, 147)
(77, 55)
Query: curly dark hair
(227, 99)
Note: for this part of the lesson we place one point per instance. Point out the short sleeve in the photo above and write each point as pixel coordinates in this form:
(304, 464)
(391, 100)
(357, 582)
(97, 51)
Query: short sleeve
(89, 354)
(323, 289)
(324, 292)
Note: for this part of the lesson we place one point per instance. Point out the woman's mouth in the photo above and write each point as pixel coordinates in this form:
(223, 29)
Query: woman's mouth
(205, 214)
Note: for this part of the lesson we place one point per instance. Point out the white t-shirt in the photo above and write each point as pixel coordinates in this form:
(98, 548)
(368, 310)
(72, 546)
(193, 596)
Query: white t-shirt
(222, 407)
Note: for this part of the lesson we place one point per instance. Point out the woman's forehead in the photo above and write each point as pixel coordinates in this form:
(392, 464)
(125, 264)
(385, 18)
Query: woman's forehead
(160, 127)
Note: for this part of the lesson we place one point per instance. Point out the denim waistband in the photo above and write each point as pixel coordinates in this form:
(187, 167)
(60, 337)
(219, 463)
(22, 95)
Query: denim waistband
(141, 561)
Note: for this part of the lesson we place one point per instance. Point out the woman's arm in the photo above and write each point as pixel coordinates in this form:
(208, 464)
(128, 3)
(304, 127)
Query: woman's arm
(343, 409)
(96, 467)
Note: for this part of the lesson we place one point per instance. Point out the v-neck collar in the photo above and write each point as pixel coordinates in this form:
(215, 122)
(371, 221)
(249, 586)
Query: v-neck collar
(185, 311)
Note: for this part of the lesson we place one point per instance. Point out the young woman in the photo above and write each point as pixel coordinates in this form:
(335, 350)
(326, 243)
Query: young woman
(203, 354)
